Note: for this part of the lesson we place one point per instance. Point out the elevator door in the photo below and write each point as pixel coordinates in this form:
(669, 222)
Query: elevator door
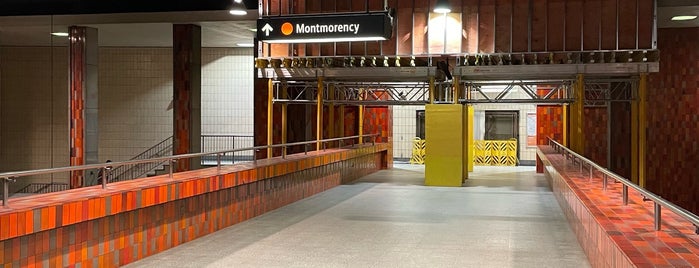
(502, 125)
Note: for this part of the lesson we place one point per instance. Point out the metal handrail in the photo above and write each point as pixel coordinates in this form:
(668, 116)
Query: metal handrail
(7, 177)
(658, 201)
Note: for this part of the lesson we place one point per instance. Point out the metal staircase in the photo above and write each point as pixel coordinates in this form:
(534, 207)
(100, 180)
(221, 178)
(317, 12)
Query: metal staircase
(124, 173)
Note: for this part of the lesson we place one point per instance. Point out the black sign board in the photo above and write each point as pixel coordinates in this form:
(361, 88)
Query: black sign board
(327, 28)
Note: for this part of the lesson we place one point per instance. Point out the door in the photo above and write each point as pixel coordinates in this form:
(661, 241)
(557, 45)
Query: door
(502, 125)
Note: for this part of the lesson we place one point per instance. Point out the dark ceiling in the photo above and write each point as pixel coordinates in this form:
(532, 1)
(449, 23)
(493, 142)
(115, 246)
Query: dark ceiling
(61, 7)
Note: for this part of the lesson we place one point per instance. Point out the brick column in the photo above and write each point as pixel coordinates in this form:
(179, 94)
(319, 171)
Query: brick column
(186, 49)
(83, 100)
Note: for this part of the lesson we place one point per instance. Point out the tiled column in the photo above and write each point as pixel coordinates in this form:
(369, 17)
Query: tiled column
(83, 100)
(186, 49)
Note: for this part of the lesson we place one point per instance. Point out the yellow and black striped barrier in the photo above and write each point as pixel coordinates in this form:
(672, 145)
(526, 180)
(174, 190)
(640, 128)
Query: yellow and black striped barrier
(495, 152)
(418, 156)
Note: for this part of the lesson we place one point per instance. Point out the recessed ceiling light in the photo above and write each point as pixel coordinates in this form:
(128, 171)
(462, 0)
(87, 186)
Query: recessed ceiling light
(238, 8)
(246, 44)
(61, 34)
(238, 12)
(680, 18)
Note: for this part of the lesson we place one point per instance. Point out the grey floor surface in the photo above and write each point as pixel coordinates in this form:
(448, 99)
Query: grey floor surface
(503, 217)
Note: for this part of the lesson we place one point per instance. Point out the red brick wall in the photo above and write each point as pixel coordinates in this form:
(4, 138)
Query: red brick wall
(673, 119)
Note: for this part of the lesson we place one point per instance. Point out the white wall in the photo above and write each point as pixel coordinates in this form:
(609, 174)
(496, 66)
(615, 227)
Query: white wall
(135, 94)
(404, 130)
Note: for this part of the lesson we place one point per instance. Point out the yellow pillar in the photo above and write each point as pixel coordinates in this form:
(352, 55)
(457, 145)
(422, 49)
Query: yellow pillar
(456, 88)
(565, 108)
(577, 134)
(331, 111)
(284, 118)
(342, 121)
(431, 89)
(270, 112)
(361, 117)
(642, 89)
(470, 151)
(444, 132)
(319, 113)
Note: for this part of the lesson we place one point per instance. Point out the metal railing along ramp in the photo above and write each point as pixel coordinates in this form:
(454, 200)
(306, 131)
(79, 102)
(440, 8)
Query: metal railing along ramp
(107, 168)
(658, 202)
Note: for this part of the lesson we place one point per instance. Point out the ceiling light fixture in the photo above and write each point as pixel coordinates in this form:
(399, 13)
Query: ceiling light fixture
(61, 34)
(684, 17)
(442, 6)
(238, 8)
(246, 44)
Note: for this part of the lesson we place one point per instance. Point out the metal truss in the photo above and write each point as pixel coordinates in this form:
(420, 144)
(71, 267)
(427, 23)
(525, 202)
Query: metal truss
(518, 91)
(598, 93)
(354, 93)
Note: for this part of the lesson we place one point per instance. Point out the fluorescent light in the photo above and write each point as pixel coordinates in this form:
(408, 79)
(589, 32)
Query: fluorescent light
(253, 29)
(61, 34)
(680, 18)
(245, 44)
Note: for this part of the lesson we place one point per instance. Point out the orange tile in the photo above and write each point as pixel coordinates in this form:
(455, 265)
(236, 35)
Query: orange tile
(4, 232)
(29, 222)
(12, 225)
(51, 220)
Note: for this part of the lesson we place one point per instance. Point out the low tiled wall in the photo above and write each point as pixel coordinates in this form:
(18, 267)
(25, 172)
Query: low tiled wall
(93, 227)
(613, 234)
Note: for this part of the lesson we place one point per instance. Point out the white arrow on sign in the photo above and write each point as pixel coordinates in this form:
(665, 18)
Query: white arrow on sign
(267, 29)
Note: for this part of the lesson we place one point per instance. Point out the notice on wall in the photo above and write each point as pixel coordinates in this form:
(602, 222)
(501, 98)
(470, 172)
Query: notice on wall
(531, 129)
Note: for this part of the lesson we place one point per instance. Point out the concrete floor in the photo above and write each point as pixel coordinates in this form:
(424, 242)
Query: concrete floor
(503, 217)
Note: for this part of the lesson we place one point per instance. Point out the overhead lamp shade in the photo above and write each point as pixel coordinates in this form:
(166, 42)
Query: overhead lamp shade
(442, 6)
(238, 8)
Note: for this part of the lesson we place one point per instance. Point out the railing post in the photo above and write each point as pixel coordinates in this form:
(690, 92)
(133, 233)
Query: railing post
(581, 165)
(172, 167)
(625, 194)
(5, 191)
(305, 149)
(604, 181)
(373, 141)
(340, 143)
(104, 178)
(218, 161)
(284, 152)
(590, 171)
(658, 217)
(254, 156)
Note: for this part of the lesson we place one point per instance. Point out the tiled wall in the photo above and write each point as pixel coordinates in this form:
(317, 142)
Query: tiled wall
(134, 220)
(404, 130)
(33, 108)
(226, 83)
(673, 119)
(595, 120)
(549, 121)
(135, 91)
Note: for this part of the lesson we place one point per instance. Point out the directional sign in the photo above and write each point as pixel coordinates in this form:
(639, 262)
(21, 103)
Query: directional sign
(317, 29)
